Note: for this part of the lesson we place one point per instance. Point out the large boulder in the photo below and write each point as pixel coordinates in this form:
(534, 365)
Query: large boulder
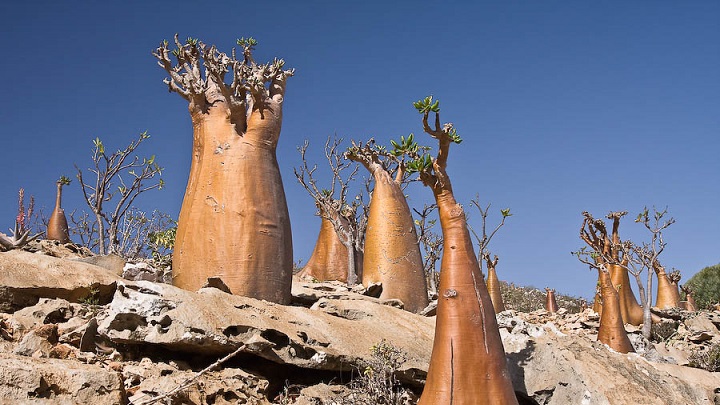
(554, 368)
(26, 277)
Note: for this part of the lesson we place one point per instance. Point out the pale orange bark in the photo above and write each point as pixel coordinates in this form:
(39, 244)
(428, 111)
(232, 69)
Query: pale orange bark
(668, 295)
(329, 258)
(550, 301)
(630, 309)
(57, 228)
(612, 331)
(234, 222)
(392, 254)
(468, 364)
(493, 287)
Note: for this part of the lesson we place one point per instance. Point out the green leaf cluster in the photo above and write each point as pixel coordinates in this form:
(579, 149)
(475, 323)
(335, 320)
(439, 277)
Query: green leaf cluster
(248, 42)
(427, 104)
(405, 146)
(421, 164)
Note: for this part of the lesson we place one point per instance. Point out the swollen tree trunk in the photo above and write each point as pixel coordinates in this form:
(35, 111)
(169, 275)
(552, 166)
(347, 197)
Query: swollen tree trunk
(612, 331)
(493, 287)
(234, 222)
(57, 228)
(391, 255)
(668, 294)
(329, 260)
(630, 309)
(550, 301)
(468, 364)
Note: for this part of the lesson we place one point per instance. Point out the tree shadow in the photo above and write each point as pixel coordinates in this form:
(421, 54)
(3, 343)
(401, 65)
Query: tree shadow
(516, 362)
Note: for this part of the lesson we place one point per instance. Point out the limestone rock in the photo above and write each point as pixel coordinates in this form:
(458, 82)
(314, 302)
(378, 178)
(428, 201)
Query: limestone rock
(26, 379)
(114, 263)
(562, 370)
(26, 277)
(336, 335)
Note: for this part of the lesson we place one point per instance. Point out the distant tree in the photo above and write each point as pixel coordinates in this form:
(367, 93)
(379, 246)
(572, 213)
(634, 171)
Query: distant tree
(121, 174)
(467, 364)
(705, 286)
(392, 254)
(431, 243)
(493, 283)
(234, 222)
(601, 256)
(339, 249)
(483, 241)
(57, 228)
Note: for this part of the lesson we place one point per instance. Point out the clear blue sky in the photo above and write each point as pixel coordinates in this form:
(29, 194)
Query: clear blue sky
(564, 106)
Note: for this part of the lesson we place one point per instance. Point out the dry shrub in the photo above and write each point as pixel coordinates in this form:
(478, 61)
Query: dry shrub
(706, 358)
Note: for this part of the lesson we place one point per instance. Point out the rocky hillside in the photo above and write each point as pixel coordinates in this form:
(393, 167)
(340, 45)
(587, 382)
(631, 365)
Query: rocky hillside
(73, 330)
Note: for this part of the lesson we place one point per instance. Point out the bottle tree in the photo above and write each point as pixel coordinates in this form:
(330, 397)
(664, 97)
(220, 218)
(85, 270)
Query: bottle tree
(392, 253)
(493, 283)
(234, 221)
(612, 330)
(339, 248)
(467, 365)
(57, 228)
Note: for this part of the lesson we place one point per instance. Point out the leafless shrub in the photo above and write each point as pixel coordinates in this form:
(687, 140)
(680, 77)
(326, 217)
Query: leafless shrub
(377, 382)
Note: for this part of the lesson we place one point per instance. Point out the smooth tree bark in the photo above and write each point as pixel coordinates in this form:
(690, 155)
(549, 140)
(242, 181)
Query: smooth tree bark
(392, 254)
(347, 219)
(493, 284)
(329, 260)
(616, 264)
(57, 228)
(234, 222)
(468, 364)
(668, 293)
(612, 330)
(550, 301)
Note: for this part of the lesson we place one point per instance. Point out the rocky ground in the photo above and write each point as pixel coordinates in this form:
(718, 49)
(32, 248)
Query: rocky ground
(73, 330)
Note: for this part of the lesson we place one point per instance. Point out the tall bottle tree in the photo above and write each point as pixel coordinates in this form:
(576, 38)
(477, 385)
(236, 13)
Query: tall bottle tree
(234, 221)
(392, 253)
(467, 365)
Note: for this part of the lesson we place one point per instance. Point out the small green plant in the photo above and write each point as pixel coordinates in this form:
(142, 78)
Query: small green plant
(706, 359)
(93, 297)
(161, 244)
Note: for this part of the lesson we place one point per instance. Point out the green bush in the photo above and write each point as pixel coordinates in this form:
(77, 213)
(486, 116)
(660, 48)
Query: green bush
(706, 287)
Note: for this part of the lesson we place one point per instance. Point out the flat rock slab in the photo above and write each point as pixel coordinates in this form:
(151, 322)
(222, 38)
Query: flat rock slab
(30, 380)
(26, 277)
(336, 334)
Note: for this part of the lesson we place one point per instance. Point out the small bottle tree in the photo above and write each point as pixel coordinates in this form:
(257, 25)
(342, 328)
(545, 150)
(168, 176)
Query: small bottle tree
(57, 228)
(339, 248)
